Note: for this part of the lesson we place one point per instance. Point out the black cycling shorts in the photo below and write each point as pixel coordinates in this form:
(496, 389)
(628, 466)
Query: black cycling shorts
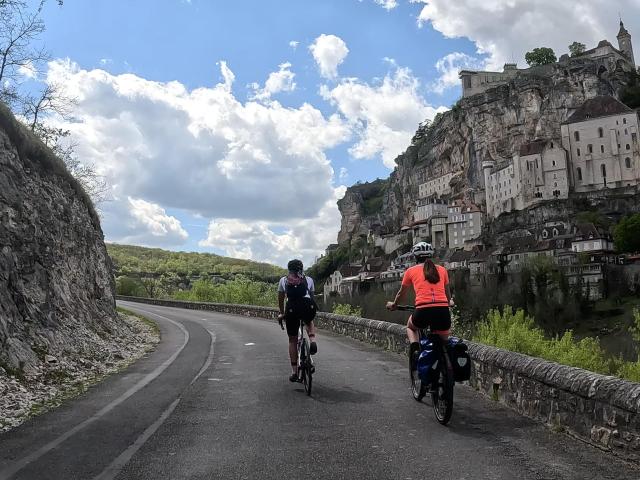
(438, 318)
(293, 324)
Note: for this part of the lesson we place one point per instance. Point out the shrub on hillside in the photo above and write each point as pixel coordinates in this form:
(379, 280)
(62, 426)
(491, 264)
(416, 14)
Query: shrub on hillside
(346, 309)
(515, 331)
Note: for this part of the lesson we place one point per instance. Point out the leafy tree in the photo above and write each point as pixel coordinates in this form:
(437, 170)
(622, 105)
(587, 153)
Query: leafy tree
(540, 56)
(626, 234)
(630, 94)
(577, 48)
(595, 217)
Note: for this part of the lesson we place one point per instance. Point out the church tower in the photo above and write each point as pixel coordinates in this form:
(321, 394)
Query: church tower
(624, 43)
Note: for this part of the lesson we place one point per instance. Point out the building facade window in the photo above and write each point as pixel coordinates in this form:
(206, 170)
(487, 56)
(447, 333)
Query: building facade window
(628, 147)
(579, 170)
(603, 170)
(601, 148)
(627, 162)
(578, 151)
(589, 148)
(576, 135)
(624, 120)
(600, 132)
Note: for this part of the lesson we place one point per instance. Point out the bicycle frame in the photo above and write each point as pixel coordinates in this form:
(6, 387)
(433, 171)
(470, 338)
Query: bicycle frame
(441, 387)
(305, 361)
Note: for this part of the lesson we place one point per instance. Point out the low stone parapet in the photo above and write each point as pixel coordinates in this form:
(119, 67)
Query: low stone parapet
(598, 409)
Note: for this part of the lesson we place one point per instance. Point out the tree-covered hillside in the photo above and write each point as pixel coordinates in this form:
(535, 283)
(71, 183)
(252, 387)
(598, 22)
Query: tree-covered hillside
(140, 262)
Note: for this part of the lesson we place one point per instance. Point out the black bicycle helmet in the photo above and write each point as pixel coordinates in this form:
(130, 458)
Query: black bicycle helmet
(295, 266)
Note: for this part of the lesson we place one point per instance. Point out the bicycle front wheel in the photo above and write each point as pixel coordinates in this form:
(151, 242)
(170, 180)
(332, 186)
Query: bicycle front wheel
(305, 363)
(442, 391)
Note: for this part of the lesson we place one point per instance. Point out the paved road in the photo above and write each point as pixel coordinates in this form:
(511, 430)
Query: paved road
(214, 402)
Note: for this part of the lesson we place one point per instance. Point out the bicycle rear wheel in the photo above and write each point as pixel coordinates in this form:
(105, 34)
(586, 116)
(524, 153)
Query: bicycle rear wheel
(305, 364)
(442, 391)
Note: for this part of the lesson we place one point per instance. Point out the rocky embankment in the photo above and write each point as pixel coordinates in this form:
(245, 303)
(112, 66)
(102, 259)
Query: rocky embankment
(59, 378)
(492, 126)
(58, 317)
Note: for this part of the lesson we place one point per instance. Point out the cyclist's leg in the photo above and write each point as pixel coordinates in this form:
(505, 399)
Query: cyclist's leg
(412, 331)
(311, 331)
(414, 345)
(292, 332)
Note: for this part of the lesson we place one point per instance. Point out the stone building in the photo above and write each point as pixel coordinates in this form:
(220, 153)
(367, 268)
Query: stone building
(602, 140)
(538, 172)
(427, 208)
(437, 186)
(474, 82)
(464, 224)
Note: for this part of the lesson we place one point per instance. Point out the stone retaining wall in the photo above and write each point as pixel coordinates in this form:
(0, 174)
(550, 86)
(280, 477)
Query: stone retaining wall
(601, 410)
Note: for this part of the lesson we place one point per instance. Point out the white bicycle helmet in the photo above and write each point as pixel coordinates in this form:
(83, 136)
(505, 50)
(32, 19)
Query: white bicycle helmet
(422, 249)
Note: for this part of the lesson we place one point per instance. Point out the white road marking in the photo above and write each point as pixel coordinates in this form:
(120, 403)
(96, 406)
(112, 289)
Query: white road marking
(215, 379)
(249, 344)
(23, 462)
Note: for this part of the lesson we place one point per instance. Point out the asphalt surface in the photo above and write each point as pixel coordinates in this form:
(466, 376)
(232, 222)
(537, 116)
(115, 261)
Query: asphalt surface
(214, 402)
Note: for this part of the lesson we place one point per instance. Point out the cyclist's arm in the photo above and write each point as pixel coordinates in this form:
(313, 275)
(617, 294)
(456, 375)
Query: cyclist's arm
(447, 290)
(401, 293)
(281, 296)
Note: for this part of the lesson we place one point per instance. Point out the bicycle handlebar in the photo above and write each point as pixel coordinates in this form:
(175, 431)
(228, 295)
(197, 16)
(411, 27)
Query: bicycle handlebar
(405, 308)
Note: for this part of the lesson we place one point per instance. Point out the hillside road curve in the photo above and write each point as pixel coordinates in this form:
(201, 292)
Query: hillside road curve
(214, 402)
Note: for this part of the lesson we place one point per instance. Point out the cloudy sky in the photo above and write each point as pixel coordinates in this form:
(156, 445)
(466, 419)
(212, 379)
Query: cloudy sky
(233, 127)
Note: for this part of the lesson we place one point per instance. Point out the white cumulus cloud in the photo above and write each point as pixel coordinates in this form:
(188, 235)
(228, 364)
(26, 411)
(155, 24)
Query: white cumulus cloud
(154, 218)
(385, 115)
(506, 30)
(450, 65)
(329, 51)
(200, 151)
(278, 242)
(387, 4)
(280, 81)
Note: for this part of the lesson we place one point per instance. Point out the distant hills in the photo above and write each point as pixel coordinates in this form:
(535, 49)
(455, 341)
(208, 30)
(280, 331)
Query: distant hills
(140, 262)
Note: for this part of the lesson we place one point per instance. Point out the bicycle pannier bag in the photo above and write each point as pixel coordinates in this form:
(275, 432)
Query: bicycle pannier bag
(460, 359)
(427, 362)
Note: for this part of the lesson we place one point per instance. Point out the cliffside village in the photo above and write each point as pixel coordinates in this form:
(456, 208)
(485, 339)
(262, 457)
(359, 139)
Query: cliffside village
(595, 150)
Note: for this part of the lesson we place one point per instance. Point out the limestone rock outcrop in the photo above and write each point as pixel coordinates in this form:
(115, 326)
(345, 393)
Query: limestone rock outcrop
(492, 126)
(57, 293)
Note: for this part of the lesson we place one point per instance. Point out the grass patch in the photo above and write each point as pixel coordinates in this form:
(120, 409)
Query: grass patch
(147, 321)
(515, 331)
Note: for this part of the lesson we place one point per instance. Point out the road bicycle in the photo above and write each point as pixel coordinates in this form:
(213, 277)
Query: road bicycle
(441, 373)
(306, 368)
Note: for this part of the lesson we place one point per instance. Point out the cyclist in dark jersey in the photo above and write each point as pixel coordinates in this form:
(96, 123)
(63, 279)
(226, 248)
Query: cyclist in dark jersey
(297, 289)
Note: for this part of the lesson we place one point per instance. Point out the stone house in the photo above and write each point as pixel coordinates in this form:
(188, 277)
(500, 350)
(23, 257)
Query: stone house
(333, 283)
(592, 240)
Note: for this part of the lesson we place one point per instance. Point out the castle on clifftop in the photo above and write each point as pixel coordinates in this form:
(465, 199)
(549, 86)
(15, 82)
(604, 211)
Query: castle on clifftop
(606, 56)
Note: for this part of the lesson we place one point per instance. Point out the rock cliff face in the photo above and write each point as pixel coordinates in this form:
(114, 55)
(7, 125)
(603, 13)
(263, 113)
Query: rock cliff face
(492, 125)
(56, 286)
